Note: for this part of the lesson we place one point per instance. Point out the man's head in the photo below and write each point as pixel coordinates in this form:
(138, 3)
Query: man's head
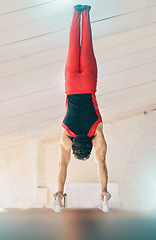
(82, 146)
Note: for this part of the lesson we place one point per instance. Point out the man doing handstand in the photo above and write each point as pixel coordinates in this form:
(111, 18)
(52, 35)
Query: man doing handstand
(82, 124)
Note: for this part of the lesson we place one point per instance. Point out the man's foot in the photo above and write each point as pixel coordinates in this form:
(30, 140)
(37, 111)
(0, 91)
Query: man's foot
(78, 7)
(81, 8)
(84, 7)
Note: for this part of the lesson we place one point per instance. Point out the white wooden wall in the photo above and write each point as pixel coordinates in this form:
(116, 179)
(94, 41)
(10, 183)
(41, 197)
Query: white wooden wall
(34, 37)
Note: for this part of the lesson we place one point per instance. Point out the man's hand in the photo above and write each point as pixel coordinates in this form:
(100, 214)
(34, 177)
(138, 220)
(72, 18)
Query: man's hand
(60, 194)
(105, 193)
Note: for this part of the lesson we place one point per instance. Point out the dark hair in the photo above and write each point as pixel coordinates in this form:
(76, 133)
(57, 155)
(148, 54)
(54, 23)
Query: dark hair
(82, 146)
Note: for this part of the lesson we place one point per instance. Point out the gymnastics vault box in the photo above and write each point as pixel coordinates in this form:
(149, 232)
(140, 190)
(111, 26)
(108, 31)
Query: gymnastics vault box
(88, 195)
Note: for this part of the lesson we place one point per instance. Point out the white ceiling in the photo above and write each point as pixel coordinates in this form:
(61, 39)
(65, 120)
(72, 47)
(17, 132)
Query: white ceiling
(33, 50)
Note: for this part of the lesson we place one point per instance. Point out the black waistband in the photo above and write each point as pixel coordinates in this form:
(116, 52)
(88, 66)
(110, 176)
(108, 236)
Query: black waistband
(72, 138)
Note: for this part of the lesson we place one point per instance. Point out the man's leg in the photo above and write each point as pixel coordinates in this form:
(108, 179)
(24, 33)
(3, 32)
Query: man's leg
(73, 59)
(87, 57)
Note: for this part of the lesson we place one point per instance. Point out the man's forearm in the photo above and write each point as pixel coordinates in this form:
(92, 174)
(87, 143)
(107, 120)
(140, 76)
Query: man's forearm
(62, 176)
(103, 175)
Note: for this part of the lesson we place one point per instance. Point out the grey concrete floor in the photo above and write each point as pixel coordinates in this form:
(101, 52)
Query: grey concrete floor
(75, 224)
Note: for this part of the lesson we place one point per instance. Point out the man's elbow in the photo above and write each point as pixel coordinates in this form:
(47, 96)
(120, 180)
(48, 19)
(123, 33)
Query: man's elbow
(63, 164)
(100, 155)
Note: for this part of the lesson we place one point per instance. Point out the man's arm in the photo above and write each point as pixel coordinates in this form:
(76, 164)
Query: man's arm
(100, 148)
(63, 164)
(65, 151)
